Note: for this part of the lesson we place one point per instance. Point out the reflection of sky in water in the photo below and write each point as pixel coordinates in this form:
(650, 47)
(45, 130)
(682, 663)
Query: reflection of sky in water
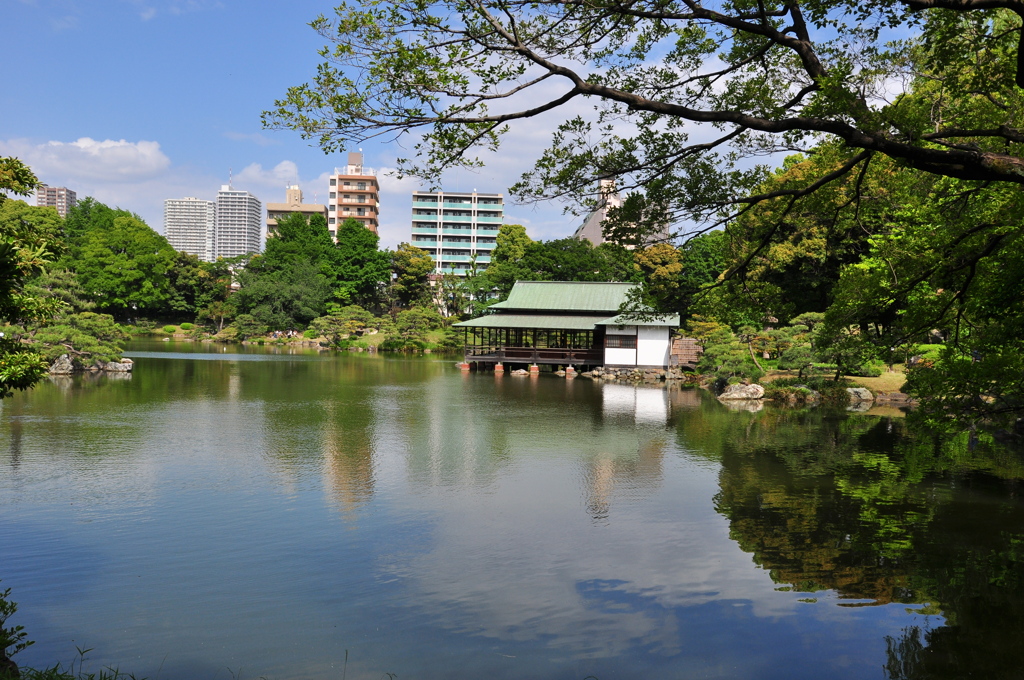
(266, 518)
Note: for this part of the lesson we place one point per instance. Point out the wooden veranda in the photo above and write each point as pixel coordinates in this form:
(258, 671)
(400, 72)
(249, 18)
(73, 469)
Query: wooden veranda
(541, 346)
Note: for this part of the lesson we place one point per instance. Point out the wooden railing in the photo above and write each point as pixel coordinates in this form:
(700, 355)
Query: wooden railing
(534, 355)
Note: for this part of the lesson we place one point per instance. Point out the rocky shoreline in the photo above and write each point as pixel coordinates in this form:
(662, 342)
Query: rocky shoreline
(65, 365)
(859, 398)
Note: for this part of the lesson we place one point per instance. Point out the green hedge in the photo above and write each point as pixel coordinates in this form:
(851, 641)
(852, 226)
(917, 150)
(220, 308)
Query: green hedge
(187, 326)
(170, 329)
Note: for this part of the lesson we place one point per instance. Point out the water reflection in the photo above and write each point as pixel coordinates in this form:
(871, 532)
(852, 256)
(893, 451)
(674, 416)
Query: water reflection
(863, 509)
(439, 524)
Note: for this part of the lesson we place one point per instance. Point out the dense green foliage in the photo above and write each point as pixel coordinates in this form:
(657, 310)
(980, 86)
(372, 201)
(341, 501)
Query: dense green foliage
(126, 269)
(899, 218)
(28, 242)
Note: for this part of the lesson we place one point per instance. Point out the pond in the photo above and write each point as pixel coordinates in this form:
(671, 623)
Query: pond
(230, 513)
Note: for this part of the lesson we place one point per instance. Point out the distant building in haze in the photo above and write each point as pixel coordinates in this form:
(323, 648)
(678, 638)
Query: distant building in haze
(189, 225)
(455, 227)
(607, 198)
(61, 198)
(353, 193)
(592, 227)
(292, 204)
(239, 223)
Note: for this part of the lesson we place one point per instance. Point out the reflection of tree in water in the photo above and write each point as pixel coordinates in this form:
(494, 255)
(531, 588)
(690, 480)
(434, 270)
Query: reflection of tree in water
(803, 509)
(972, 559)
(859, 506)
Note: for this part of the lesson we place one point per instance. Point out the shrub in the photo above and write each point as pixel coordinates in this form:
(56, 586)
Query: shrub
(401, 345)
(871, 369)
(798, 358)
(927, 353)
(170, 329)
(12, 638)
(832, 391)
(310, 333)
(246, 326)
(187, 326)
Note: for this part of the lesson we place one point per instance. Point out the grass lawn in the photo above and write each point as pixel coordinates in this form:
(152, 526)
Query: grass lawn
(887, 382)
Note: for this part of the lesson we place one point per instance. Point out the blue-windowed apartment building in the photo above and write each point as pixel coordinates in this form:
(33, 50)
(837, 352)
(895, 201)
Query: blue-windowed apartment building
(456, 228)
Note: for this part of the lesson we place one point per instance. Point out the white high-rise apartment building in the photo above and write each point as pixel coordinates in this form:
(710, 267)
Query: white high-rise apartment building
(239, 223)
(454, 227)
(353, 194)
(189, 224)
(61, 198)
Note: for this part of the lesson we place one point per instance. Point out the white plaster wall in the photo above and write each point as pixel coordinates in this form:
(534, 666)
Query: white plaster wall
(614, 356)
(653, 346)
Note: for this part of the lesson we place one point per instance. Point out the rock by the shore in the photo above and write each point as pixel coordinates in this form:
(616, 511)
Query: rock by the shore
(741, 391)
(62, 366)
(747, 405)
(895, 399)
(122, 366)
(859, 394)
(65, 366)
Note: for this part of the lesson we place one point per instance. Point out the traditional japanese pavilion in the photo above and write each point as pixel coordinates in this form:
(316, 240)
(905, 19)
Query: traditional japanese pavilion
(569, 324)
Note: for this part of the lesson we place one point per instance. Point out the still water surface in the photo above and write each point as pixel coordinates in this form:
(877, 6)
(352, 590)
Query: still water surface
(229, 513)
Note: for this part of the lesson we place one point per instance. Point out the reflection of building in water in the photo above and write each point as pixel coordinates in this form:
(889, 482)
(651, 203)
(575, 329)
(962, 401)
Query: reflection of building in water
(348, 456)
(606, 473)
(644, 404)
(640, 468)
(454, 446)
(469, 432)
(683, 398)
(234, 386)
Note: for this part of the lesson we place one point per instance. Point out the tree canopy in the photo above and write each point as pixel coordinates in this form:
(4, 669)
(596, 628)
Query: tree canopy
(689, 95)
(26, 246)
(897, 216)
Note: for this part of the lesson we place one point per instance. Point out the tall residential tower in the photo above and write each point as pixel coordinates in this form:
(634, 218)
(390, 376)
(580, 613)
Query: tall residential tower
(239, 223)
(353, 193)
(189, 226)
(61, 198)
(454, 227)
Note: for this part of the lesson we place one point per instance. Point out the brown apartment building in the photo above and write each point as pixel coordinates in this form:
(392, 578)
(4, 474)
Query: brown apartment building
(353, 193)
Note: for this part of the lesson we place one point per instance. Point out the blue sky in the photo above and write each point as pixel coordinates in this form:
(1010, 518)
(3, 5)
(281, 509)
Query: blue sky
(137, 101)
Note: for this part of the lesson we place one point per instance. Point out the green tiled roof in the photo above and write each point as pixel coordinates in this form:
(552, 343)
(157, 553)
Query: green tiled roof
(565, 296)
(539, 321)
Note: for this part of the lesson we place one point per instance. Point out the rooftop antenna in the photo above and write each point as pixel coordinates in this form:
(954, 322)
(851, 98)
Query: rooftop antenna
(229, 177)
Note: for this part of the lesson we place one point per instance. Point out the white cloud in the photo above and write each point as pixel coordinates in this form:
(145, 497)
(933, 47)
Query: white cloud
(136, 176)
(253, 177)
(395, 207)
(90, 159)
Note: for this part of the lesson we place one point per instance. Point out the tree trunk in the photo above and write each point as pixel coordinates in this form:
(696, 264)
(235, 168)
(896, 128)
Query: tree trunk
(750, 348)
